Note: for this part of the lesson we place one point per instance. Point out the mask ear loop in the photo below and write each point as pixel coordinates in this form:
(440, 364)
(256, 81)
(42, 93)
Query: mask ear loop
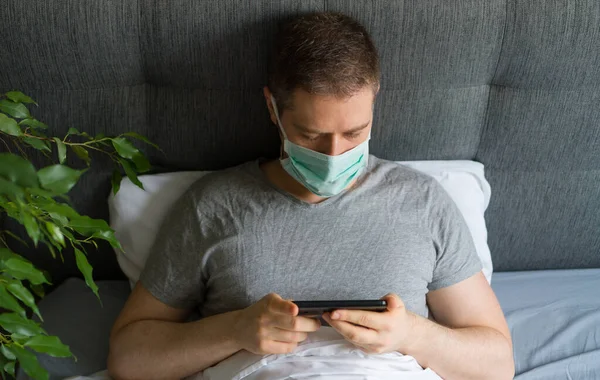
(282, 149)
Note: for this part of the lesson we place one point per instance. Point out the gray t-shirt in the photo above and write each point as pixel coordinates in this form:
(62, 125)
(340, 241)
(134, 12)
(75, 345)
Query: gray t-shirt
(234, 237)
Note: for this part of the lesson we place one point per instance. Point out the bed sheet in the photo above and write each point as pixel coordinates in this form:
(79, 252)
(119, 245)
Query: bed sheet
(554, 318)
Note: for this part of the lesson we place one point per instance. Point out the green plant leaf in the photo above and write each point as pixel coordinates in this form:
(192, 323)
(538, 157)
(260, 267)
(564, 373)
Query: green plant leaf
(73, 131)
(131, 174)
(55, 233)
(13, 109)
(60, 208)
(21, 339)
(50, 345)
(12, 210)
(141, 163)
(38, 290)
(62, 150)
(52, 251)
(37, 143)
(9, 126)
(124, 148)
(58, 178)
(10, 368)
(109, 236)
(7, 254)
(66, 232)
(9, 302)
(59, 219)
(18, 170)
(7, 353)
(82, 153)
(14, 323)
(116, 181)
(33, 123)
(47, 275)
(86, 269)
(96, 228)
(10, 189)
(41, 195)
(24, 270)
(142, 138)
(29, 363)
(19, 97)
(87, 226)
(59, 248)
(32, 228)
(18, 290)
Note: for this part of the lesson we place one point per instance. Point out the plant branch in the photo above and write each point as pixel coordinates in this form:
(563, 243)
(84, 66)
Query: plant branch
(6, 145)
(3, 339)
(96, 141)
(87, 144)
(20, 149)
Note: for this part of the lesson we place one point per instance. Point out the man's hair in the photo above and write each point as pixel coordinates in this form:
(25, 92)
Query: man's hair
(322, 53)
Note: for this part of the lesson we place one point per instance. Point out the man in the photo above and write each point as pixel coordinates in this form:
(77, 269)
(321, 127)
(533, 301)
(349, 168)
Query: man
(326, 221)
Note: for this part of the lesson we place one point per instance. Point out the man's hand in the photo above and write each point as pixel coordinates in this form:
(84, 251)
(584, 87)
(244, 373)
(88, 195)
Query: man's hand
(272, 326)
(375, 332)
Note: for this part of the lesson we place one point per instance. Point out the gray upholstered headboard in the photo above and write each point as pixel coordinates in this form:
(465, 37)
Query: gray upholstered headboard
(514, 84)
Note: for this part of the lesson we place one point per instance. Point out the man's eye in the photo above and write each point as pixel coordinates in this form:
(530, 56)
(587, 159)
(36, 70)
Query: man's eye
(353, 135)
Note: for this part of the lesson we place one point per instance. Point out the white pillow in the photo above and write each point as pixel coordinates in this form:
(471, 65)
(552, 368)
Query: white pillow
(136, 214)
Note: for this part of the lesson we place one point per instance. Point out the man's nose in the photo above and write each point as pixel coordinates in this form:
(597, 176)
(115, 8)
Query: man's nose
(333, 145)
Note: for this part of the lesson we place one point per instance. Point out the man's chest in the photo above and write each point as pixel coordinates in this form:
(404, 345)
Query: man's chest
(341, 258)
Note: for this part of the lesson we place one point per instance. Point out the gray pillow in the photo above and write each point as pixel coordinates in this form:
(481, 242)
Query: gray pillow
(74, 314)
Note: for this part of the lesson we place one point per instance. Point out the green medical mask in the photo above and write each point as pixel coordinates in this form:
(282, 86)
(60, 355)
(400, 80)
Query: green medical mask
(322, 174)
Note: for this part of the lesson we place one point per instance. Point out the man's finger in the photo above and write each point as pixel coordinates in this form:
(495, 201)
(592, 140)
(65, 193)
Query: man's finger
(370, 319)
(358, 335)
(280, 306)
(287, 336)
(392, 300)
(292, 323)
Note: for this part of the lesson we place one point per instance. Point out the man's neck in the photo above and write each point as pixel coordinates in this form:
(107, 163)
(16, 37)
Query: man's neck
(282, 180)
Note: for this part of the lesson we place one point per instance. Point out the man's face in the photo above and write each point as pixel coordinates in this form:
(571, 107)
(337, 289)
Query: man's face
(327, 124)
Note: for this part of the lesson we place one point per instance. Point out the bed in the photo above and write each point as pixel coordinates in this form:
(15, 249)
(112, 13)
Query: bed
(554, 318)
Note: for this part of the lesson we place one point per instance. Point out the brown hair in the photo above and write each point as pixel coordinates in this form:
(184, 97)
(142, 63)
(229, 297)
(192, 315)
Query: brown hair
(322, 53)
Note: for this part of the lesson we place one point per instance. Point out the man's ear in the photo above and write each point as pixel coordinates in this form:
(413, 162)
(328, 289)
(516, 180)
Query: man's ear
(267, 94)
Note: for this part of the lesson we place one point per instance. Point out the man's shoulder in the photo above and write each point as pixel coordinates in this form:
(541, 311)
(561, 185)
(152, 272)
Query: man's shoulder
(392, 173)
(225, 183)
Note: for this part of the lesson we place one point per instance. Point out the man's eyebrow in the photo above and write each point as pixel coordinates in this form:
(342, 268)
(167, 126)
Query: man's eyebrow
(359, 128)
(352, 130)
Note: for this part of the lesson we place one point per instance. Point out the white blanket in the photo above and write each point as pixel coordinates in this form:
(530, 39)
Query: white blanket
(324, 355)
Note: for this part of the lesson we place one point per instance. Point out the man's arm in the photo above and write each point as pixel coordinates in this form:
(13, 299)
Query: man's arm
(471, 341)
(150, 341)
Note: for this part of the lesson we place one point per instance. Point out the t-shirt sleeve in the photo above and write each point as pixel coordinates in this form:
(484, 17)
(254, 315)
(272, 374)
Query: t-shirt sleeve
(456, 257)
(173, 271)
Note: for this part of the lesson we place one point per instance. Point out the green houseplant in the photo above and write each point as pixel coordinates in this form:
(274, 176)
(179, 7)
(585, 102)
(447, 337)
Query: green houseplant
(37, 199)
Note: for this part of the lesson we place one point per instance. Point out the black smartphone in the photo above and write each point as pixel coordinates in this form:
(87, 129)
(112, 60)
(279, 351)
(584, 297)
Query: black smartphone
(317, 308)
